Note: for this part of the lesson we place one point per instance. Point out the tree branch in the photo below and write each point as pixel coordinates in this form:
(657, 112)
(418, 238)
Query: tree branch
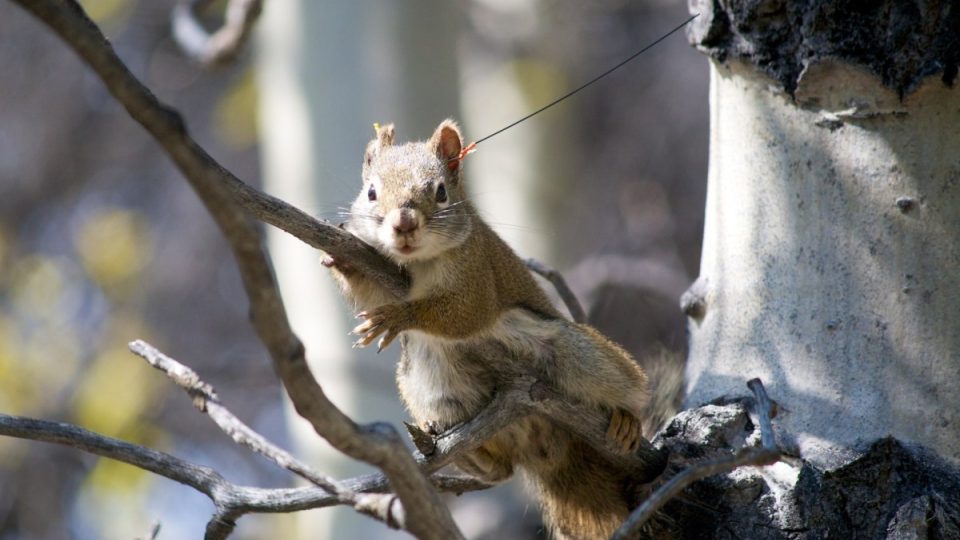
(221, 192)
(767, 454)
(560, 284)
(231, 501)
(206, 400)
(377, 444)
(223, 45)
(228, 498)
(526, 395)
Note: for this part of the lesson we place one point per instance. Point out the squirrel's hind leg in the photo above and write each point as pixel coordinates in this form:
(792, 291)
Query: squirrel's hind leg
(490, 463)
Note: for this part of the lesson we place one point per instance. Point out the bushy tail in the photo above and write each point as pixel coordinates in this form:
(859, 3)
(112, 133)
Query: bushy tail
(582, 495)
(664, 369)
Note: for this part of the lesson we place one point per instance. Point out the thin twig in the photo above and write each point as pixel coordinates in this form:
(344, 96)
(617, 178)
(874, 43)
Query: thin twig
(377, 444)
(765, 411)
(154, 531)
(766, 455)
(527, 395)
(566, 293)
(206, 400)
(211, 483)
(203, 479)
(225, 43)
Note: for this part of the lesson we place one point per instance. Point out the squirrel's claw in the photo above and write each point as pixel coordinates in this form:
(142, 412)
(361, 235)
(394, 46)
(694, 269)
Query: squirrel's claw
(376, 323)
(624, 430)
(386, 340)
(369, 329)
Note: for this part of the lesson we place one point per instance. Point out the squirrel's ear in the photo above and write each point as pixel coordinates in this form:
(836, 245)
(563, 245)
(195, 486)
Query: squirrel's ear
(446, 142)
(384, 134)
(383, 138)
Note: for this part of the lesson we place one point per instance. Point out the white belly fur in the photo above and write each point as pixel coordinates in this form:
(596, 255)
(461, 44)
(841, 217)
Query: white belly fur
(439, 373)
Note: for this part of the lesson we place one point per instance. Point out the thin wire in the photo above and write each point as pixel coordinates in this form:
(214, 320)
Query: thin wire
(588, 83)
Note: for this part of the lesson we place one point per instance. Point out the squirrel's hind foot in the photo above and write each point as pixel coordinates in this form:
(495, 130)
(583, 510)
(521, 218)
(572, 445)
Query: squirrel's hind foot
(625, 430)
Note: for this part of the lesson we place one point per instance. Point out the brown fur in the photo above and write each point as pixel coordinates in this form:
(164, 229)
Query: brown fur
(474, 312)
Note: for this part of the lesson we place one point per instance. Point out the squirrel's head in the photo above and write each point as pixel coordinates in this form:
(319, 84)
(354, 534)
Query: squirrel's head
(412, 205)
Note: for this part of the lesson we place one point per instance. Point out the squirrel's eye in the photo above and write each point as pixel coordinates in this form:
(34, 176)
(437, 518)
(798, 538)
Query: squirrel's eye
(372, 193)
(441, 193)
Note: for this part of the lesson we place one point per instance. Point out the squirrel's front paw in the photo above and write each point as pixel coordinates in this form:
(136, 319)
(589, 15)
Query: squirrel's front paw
(625, 430)
(335, 263)
(388, 320)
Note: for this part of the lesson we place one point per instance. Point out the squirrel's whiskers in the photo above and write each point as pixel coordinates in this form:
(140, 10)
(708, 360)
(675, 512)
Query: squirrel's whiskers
(474, 315)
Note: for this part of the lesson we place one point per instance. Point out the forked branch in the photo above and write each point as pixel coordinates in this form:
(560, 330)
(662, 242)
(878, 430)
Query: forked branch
(220, 191)
(226, 42)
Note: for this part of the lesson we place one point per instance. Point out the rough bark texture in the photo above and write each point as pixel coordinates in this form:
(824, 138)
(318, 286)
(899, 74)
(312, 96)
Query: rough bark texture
(830, 267)
(900, 42)
(830, 239)
(891, 491)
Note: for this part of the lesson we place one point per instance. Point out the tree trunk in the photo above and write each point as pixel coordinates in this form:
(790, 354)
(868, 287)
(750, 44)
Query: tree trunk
(831, 257)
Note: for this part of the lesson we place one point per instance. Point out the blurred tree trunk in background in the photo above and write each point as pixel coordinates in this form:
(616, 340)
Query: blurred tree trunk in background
(327, 72)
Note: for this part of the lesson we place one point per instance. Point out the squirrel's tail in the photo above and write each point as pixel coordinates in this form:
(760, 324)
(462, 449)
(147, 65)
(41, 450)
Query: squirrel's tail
(664, 369)
(582, 496)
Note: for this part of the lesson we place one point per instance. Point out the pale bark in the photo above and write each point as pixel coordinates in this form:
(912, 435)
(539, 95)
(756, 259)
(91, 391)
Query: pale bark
(831, 259)
(831, 265)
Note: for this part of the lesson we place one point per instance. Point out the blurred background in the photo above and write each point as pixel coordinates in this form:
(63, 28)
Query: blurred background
(102, 242)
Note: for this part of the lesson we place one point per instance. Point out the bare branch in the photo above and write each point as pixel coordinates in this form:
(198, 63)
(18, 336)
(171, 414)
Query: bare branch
(221, 525)
(223, 45)
(765, 411)
(231, 501)
(423, 512)
(768, 454)
(591, 424)
(203, 479)
(566, 293)
(154, 531)
(526, 395)
(377, 444)
(206, 400)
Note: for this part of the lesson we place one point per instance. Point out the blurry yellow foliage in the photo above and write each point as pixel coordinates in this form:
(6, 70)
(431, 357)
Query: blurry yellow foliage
(117, 388)
(107, 12)
(10, 383)
(49, 361)
(113, 246)
(116, 394)
(4, 251)
(39, 349)
(36, 285)
(235, 118)
(539, 81)
(110, 478)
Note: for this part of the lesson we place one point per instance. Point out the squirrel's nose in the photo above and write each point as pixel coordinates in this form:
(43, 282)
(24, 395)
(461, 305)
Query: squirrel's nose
(405, 222)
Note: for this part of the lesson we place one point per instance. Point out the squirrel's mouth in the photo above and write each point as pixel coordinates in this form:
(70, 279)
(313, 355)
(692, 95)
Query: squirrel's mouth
(406, 250)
